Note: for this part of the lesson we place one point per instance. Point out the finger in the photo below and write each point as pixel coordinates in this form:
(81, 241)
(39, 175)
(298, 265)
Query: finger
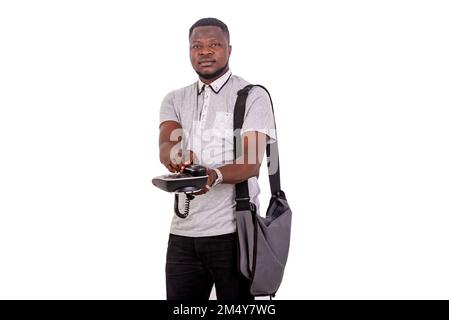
(176, 160)
(186, 161)
(177, 166)
(202, 191)
(189, 157)
(171, 168)
(198, 193)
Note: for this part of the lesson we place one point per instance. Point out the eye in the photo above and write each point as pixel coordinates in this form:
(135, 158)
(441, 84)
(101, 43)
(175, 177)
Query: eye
(196, 46)
(215, 44)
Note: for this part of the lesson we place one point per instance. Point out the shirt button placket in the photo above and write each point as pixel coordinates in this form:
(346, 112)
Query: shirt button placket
(205, 105)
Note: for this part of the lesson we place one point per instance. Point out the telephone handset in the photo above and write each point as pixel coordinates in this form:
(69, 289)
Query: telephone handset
(192, 179)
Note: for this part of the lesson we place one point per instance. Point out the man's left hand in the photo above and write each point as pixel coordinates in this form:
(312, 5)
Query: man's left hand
(211, 177)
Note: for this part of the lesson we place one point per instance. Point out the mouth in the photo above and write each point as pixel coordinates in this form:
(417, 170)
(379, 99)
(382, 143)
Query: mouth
(206, 63)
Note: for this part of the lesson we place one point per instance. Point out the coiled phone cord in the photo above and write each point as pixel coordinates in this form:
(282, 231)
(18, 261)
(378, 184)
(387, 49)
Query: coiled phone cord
(186, 205)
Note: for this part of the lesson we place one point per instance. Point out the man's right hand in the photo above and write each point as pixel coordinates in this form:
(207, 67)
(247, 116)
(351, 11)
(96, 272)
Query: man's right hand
(177, 161)
(170, 153)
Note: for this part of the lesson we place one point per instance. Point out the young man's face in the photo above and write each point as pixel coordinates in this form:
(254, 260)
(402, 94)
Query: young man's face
(209, 52)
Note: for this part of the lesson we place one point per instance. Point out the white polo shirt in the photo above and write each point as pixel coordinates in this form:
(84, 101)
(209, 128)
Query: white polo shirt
(206, 114)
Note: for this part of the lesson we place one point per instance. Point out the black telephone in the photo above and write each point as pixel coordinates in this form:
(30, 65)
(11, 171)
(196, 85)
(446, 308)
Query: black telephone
(192, 179)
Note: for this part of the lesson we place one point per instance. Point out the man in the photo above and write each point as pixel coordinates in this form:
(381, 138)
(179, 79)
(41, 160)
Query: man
(196, 126)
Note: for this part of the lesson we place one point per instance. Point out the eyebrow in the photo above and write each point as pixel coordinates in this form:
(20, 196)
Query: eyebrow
(208, 40)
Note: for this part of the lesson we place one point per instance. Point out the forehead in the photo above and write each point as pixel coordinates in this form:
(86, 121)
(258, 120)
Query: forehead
(207, 32)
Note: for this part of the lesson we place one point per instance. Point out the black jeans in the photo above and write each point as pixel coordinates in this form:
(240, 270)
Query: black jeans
(195, 264)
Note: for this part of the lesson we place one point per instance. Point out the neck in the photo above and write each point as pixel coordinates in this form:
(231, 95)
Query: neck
(211, 78)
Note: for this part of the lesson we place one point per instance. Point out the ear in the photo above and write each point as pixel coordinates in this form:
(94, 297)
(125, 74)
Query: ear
(230, 49)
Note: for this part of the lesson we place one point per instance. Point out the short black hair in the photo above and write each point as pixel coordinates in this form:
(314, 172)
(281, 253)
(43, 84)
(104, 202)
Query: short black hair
(205, 22)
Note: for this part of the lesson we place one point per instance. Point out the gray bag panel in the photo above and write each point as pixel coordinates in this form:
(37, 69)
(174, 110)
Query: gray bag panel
(277, 232)
(245, 231)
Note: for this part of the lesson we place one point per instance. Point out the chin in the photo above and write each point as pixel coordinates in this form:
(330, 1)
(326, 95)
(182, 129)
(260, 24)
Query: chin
(206, 72)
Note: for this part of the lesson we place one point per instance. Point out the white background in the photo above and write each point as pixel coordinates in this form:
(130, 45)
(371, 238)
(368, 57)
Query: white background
(361, 97)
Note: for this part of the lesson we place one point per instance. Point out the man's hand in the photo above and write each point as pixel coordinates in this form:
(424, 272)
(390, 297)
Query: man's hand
(171, 154)
(177, 160)
(183, 159)
(211, 177)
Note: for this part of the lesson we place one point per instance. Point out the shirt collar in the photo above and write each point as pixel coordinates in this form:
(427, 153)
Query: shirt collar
(217, 84)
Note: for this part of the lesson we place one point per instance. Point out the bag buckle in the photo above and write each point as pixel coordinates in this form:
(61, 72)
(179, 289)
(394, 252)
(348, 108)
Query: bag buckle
(242, 204)
(252, 207)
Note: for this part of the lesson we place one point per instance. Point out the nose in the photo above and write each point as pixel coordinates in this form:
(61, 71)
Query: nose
(206, 50)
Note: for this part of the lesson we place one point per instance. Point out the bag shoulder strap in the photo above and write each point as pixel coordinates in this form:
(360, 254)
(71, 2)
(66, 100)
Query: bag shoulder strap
(272, 151)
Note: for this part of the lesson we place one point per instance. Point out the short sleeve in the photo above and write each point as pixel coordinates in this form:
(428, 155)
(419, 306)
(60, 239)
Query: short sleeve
(259, 114)
(168, 110)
